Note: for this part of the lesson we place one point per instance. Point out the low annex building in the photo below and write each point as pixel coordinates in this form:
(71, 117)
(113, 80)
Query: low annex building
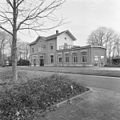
(59, 50)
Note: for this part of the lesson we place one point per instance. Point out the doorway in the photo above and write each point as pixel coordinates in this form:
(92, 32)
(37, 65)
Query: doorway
(41, 61)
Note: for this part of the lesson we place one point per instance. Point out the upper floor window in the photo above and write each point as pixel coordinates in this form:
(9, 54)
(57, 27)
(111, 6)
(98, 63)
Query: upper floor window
(65, 45)
(39, 49)
(51, 47)
(44, 46)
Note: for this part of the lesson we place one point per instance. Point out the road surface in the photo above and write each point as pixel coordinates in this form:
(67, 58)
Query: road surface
(104, 82)
(110, 83)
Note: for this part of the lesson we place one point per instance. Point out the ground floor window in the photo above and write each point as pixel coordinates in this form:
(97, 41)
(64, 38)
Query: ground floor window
(66, 58)
(60, 59)
(52, 58)
(96, 58)
(74, 57)
(84, 56)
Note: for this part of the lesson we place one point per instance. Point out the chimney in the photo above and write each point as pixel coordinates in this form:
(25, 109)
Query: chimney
(57, 31)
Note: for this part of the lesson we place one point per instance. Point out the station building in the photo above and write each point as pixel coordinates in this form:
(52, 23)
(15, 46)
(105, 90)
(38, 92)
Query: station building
(59, 50)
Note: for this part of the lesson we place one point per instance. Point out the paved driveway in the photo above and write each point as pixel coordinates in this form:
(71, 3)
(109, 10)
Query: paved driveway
(97, 105)
(109, 83)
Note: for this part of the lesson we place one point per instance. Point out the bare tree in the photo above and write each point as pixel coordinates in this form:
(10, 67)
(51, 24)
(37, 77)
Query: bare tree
(3, 42)
(107, 38)
(22, 50)
(116, 49)
(97, 37)
(17, 15)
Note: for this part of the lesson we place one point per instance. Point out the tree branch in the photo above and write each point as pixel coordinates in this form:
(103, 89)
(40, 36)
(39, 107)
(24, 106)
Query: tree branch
(38, 28)
(6, 30)
(6, 18)
(8, 1)
(19, 3)
(36, 12)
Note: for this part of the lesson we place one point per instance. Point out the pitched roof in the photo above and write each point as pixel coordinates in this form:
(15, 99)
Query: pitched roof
(38, 38)
(54, 36)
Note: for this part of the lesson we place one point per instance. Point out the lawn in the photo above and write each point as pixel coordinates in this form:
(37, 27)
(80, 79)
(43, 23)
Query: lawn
(98, 71)
(29, 95)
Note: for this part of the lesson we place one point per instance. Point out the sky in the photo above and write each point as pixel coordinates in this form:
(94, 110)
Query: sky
(83, 17)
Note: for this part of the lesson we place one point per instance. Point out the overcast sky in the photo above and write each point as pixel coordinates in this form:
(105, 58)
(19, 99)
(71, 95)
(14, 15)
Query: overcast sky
(84, 16)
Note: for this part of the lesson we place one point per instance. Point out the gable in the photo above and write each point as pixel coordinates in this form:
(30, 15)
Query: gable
(54, 36)
(40, 38)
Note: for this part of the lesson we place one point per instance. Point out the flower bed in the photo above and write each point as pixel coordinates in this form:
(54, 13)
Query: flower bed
(22, 100)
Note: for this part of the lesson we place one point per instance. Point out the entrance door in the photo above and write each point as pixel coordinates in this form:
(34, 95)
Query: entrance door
(41, 62)
(34, 62)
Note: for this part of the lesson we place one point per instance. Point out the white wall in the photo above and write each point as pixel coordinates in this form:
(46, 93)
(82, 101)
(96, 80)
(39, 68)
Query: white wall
(61, 40)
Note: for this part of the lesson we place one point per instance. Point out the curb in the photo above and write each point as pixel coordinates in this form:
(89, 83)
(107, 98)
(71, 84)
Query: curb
(69, 101)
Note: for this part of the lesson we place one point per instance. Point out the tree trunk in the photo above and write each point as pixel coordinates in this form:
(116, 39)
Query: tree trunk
(0, 57)
(14, 59)
(14, 41)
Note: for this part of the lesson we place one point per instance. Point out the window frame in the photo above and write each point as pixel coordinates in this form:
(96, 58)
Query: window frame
(74, 58)
(67, 58)
(84, 57)
(51, 46)
(60, 60)
(51, 59)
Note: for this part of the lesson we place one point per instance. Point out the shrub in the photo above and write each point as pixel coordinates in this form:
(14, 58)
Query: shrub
(23, 100)
(23, 62)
